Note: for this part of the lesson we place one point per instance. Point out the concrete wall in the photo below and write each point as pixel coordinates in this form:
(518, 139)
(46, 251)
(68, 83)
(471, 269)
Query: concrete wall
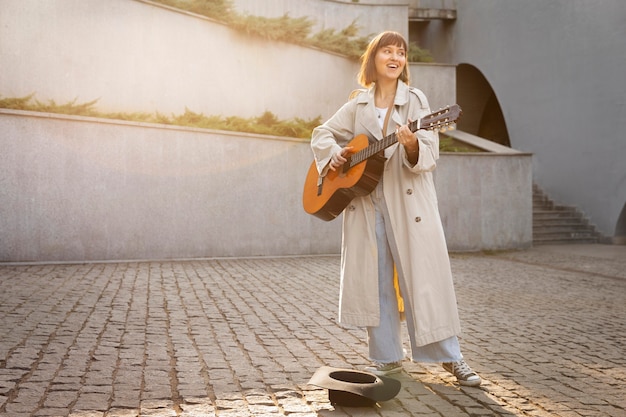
(79, 189)
(557, 68)
(139, 57)
(372, 17)
(75, 189)
(136, 56)
(485, 200)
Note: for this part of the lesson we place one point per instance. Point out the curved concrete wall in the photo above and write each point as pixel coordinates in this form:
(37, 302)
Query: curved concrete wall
(557, 68)
(370, 16)
(87, 189)
(79, 189)
(135, 56)
(138, 57)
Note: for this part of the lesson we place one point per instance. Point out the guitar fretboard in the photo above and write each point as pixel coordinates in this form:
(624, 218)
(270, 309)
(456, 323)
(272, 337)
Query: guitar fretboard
(373, 148)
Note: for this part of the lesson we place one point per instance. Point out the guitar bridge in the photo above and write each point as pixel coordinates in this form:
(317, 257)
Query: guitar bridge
(320, 184)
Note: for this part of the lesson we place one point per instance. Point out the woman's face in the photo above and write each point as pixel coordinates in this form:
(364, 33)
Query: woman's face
(390, 61)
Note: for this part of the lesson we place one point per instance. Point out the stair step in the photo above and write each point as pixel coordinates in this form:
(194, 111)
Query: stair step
(563, 231)
(562, 228)
(557, 218)
(561, 241)
(549, 216)
(559, 208)
(564, 237)
(558, 224)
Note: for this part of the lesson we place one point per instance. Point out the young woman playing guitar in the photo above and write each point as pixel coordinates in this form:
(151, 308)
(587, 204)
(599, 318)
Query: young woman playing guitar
(395, 261)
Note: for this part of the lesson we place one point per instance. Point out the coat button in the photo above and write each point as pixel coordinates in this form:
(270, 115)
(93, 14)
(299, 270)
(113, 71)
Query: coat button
(418, 219)
(351, 207)
(409, 191)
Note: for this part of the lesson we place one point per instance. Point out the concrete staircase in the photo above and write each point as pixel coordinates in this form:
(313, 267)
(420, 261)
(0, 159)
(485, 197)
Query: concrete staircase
(556, 224)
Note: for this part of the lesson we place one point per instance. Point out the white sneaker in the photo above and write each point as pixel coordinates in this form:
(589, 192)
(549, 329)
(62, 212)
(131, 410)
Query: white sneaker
(463, 373)
(382, 369)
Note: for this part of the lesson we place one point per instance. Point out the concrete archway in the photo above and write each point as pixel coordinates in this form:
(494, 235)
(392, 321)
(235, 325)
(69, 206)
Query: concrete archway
(482, 115)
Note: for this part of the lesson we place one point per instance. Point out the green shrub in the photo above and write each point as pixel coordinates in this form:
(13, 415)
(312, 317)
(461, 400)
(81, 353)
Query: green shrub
(216, 9)
(15, 103)
(288, 29)
(282, 28)
(449, 144)
(266, 124)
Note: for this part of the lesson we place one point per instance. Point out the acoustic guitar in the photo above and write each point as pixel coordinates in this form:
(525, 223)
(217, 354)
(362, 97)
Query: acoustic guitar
(326, 197)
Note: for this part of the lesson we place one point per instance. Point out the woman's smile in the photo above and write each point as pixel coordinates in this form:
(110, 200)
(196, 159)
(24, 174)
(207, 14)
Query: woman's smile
(390, 61)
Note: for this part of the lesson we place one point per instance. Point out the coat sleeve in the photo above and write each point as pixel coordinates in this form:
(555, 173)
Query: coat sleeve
(333, 135)
(428, 141)
(428, 155)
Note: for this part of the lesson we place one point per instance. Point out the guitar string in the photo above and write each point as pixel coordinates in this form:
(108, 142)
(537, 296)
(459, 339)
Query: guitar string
(389, 140)
(374, 148)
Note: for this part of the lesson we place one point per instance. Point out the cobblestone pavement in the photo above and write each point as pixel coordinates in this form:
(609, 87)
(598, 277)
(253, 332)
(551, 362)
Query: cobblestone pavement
(545, 328)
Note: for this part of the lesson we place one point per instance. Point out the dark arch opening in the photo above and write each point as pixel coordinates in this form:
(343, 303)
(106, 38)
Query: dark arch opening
(482, 114)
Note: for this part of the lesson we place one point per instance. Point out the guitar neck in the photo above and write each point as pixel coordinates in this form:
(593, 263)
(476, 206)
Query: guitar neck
(439, 120)
(378, 146)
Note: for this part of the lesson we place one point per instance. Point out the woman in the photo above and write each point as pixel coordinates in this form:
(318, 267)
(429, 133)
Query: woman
(397, 227)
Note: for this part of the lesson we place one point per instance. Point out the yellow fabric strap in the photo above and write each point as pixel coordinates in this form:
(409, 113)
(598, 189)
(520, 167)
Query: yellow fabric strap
(396, 285)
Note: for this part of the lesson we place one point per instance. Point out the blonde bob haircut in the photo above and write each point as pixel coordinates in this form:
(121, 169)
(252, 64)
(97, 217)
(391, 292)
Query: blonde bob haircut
(367, 74)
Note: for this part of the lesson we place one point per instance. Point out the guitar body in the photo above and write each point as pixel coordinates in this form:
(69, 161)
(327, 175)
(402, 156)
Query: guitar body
(326, 197)
(329, 198)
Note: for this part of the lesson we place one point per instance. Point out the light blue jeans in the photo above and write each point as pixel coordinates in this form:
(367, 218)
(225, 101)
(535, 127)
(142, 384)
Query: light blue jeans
(385, 340)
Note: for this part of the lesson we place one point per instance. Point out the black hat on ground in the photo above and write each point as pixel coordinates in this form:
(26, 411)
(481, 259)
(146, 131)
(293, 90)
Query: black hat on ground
(354, 388)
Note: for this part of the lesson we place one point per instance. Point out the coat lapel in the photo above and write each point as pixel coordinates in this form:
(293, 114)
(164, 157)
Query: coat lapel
(368, 118)
(369, 121)
(400, 100)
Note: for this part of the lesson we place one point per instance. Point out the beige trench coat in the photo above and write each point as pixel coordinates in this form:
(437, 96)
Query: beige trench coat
(412, 202)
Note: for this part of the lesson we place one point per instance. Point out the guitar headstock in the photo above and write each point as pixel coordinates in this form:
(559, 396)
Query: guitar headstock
(441, 120)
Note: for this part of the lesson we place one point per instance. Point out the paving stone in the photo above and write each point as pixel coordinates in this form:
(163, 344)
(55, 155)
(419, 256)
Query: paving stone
(52, 412)
(60, 399)
(241, 337)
